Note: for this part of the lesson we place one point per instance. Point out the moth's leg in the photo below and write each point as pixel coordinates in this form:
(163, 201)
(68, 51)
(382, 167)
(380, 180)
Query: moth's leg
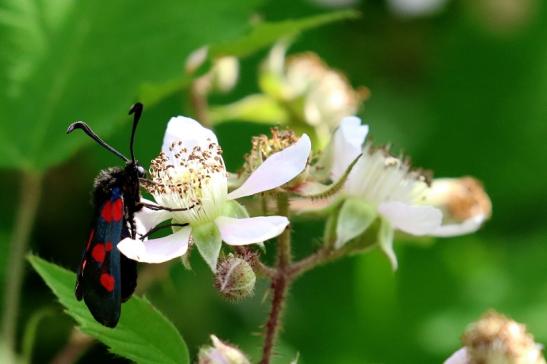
(146, 181)
(158, 228)
(158, 207)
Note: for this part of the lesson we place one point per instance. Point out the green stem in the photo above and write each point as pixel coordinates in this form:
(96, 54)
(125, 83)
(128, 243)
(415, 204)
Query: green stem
(31, 191)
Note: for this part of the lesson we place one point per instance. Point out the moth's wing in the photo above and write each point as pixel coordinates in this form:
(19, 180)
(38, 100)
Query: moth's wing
(99, 280)
(128, 268)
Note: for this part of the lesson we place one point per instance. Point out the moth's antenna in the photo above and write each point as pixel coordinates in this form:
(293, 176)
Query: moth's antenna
(86, 129)
(136, 110)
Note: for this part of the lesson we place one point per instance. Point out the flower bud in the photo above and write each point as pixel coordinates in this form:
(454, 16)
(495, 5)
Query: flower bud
(225, 73)
(497, 339)
(235, 278)
(460, 199)
(220, 353)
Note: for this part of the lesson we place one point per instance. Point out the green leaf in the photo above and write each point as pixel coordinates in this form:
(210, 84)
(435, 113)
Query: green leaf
(265, 34)
(354, 218)
(208, 240)
(68, 60)
(143, 334)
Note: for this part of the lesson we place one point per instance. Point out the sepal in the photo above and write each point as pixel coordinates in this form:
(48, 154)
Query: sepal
(208, 241)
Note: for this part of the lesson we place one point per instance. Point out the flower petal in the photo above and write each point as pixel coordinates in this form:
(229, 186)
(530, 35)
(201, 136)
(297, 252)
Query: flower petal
(466, 227)
(156, 250)
(278, 169)
(347, 143)
(250, 230)
(459, 357)
(187, 131)
(412, 219)
(147, 219)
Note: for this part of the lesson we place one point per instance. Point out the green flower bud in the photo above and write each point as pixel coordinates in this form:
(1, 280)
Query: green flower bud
(220, 353)
(235, 278)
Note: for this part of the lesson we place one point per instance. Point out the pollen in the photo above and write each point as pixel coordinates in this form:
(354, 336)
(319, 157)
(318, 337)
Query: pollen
(189, 178)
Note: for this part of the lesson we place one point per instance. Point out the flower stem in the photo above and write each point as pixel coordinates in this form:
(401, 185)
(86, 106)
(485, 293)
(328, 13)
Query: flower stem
(280, 283)
(31, 191)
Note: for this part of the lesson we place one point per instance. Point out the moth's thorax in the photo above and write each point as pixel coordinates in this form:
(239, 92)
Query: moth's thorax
(125, 179)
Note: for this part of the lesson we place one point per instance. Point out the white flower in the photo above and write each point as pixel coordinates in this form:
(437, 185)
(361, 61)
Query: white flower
(381, 185)
(190, 174)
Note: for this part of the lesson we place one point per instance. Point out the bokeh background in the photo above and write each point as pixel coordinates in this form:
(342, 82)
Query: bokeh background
(461, 87)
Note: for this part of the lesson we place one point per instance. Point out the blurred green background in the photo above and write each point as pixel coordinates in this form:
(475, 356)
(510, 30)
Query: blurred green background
(462, 90)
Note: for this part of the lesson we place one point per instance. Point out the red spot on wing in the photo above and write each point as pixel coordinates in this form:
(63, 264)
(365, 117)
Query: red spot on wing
(98, 253)
(112, 211)
(108, 246)
(107, 281)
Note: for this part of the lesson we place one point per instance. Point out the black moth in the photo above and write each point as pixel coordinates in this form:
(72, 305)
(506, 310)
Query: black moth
(106, 278)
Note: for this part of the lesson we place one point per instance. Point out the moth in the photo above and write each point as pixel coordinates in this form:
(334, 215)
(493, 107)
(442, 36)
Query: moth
(106, 278)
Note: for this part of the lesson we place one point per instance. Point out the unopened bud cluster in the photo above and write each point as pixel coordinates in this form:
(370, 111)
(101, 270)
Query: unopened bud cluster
(235, 278)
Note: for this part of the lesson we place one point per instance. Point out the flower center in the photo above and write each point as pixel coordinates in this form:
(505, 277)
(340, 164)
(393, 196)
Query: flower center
(193, 179)
(380, 177)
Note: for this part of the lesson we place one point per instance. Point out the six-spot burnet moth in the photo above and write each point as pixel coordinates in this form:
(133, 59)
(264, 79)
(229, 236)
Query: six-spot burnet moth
(106, 278)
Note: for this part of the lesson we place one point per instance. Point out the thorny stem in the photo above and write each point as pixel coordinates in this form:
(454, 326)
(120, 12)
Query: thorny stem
(280, 283)
(31, 191)
(286, 271)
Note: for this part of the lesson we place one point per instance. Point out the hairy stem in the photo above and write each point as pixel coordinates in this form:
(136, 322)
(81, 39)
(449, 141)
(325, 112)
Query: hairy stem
(30, 193)
(280, 283)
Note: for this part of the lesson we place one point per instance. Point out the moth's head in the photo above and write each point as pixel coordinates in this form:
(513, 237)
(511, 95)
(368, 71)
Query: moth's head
(134, 169)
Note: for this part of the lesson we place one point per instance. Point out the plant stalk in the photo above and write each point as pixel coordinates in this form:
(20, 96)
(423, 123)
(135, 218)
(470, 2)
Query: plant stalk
(280, 283)
(30, 194)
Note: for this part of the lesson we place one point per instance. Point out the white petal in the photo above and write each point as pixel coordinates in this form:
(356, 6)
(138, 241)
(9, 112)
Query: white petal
(157, 250)
(147, 219)
(347, 144)
(278, 169)
(466, 227)
(250, 230)
(412, 219)
(189, 132)
(459, 357)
